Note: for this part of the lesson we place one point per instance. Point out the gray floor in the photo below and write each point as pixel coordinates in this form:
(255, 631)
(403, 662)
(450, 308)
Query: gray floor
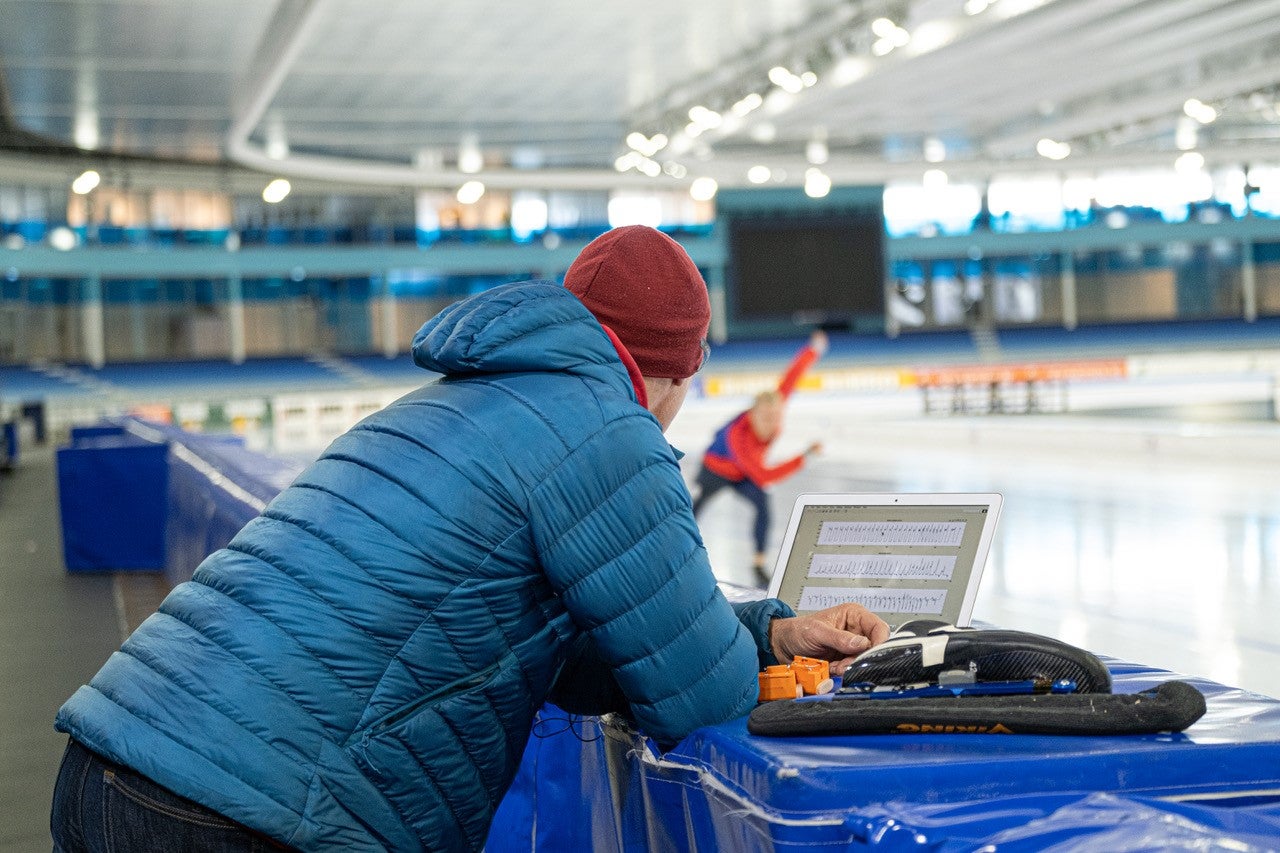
(56, 629)
(1154, 542)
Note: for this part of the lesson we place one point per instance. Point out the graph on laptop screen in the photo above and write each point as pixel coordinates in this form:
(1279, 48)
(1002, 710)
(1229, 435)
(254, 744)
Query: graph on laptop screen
(903, 562)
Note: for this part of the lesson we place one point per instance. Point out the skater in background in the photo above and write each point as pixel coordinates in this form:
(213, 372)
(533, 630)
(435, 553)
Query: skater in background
(736, 457)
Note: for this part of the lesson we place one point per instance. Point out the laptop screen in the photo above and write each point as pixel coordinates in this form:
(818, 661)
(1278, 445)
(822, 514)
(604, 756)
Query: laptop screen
(902, 556)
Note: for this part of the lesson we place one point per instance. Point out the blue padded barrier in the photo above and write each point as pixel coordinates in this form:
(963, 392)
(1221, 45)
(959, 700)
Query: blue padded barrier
(111, 495)
(215, 486)
(596, 784)
(191, 496)
(82, 434)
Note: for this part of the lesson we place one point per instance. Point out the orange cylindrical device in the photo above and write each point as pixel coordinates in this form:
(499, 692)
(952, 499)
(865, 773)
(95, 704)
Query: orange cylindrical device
(778, 682)
(812, 675)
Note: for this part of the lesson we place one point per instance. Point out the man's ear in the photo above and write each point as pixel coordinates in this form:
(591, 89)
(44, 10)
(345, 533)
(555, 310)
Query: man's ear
(679, 382)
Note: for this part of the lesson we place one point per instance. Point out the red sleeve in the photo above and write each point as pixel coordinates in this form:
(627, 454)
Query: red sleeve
(748, 453)
(803, 361)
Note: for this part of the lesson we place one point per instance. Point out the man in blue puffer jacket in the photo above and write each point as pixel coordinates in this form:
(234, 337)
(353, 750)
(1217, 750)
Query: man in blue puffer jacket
(359, 668)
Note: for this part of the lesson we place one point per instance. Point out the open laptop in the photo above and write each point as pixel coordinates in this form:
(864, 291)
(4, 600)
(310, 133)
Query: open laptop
(903, 556)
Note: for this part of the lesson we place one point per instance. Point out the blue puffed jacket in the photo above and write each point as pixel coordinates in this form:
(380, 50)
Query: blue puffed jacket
(359, 668)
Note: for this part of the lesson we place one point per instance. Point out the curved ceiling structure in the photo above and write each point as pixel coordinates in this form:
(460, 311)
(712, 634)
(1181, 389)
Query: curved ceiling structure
(555, 94)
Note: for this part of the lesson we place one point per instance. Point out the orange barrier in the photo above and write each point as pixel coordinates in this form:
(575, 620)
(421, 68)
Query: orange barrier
(989, 374)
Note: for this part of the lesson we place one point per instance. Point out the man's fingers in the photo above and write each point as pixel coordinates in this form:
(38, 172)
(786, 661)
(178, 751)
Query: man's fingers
(837, 667)
(832, 639)
(862, 621)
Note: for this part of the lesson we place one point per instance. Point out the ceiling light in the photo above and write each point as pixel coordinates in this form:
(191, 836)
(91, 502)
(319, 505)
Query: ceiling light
(816, 184)
(747, 104)
(935, 151)
(1192, 161)
(470, 192)
(674, 169)
(86, 182)
(705, 118)
(1199, 110)
(645, 145)
(703, 189)
(276, 191)
(785, 80)
(808, 79)
(883, 27)
(62, 238)
(470, 160)
(935, 179)
(759, 174)
(816, 151)
(976, 7)
(882, 47)
(1052, 149)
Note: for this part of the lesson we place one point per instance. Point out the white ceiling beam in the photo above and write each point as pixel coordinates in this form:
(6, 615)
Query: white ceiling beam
(1017, 92)
(1047, 71)
(1108, 115)
(1159, 64)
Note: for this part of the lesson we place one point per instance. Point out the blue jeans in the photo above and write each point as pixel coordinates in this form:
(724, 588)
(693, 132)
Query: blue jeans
(99, 807)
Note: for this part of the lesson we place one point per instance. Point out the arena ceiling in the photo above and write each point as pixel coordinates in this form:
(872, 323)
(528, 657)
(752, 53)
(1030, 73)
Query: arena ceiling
(546, 93)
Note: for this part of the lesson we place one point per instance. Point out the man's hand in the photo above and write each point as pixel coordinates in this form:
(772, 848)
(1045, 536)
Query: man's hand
(837, 634)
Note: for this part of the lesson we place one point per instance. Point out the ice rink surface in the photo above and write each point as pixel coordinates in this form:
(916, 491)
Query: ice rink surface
(1152, 541)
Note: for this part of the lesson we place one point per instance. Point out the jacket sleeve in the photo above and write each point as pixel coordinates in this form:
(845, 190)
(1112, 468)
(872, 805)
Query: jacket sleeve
(586, 684)
(756, 616)
(802, 362)
(614, 531)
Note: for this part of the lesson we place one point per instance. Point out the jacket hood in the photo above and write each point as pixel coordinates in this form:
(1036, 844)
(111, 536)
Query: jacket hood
(514, 328)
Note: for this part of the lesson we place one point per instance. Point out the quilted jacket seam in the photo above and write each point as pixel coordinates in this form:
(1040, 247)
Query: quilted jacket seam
(351, 690)
(228, 770)
(715, 660)
(251, 551)
(605, 499)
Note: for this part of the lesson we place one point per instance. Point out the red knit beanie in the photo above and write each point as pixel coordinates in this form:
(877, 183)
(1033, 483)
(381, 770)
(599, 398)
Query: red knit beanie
(642, 285)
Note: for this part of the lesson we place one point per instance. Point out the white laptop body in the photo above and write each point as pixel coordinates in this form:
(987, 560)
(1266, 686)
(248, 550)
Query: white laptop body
(904, 556)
